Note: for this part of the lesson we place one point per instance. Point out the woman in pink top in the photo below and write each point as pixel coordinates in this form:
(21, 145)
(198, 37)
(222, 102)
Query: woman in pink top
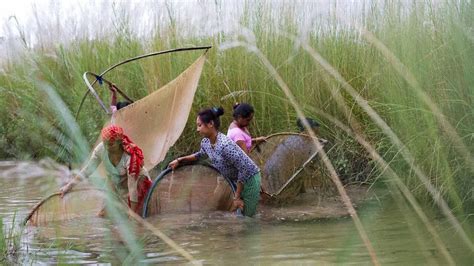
(238, 130)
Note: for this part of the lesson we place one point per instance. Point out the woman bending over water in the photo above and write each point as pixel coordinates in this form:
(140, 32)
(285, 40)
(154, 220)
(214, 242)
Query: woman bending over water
(230, 160)
(123, 161)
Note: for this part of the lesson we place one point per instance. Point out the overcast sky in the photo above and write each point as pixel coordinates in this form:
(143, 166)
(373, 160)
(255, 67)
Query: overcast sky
(17, 8)
(22, 10)
(59, 21)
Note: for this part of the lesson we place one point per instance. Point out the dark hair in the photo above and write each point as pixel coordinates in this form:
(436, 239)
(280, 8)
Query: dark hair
(211, 114)
(121, 105)
(243, 110)
(312, 123)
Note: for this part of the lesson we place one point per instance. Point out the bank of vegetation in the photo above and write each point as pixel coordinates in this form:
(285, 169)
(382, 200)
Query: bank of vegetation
(411, 63)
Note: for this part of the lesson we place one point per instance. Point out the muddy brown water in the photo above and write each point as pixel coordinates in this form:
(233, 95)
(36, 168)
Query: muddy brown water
(220, 237)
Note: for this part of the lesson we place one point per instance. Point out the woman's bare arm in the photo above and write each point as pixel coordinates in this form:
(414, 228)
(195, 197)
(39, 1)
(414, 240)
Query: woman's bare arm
(175, 163)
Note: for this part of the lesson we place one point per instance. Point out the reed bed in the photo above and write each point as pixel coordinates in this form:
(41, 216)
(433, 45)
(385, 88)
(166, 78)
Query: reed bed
(397, 73)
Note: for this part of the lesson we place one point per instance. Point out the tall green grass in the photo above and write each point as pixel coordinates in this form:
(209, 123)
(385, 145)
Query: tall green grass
(10, 238)
(433, 41)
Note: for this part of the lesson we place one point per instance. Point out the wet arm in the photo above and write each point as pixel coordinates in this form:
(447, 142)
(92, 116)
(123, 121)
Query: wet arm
(238, 191)
(242, 145)
(258, 140)
(75, 180)
(86, 171)
(189, 158)
(114, 95)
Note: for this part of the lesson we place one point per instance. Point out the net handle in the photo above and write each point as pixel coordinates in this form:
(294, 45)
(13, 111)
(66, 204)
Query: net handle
(322, 141)
(166, 171)
(295, 174)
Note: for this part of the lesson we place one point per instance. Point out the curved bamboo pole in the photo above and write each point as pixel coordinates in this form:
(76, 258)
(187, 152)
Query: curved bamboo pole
(127, 61)
(39, 204)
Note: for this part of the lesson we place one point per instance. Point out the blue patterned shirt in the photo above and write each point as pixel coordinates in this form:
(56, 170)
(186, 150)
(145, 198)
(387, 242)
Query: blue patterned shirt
(228, 158)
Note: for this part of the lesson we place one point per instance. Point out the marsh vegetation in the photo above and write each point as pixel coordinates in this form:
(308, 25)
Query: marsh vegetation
(391, 83)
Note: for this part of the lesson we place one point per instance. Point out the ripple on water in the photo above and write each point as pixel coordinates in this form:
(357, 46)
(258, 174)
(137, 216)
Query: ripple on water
(220, 237)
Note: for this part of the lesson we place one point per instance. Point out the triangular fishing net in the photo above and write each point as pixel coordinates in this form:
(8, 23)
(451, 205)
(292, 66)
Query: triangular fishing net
(155, 122)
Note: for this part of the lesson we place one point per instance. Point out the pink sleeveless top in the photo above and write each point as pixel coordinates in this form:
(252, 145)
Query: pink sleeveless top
(236, 134)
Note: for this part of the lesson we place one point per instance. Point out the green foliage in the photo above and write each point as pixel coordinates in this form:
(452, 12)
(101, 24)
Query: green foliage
(3, 243)
(9, 243)
(434, 43)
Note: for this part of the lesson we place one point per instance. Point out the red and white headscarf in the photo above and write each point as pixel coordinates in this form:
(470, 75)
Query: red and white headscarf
(112, 133)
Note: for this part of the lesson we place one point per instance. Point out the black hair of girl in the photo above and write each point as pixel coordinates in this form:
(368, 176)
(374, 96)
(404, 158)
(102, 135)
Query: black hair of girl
(312, 123)
(243, 110)
(211, 114)
(123, 104)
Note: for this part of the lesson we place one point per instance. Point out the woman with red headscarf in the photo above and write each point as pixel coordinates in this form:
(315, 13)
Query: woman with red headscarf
(124, 163)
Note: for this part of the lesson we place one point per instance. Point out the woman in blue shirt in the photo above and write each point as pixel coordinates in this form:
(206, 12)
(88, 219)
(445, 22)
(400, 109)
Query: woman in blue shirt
(228, 158)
